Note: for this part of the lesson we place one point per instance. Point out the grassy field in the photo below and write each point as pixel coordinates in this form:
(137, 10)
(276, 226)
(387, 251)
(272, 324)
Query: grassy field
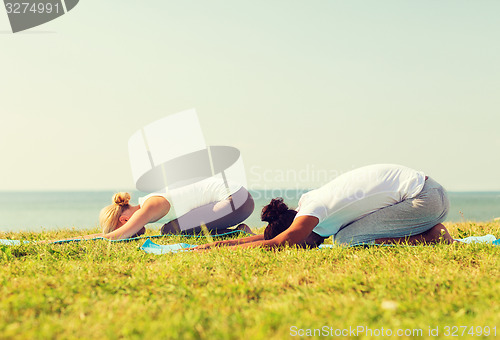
(98, 290)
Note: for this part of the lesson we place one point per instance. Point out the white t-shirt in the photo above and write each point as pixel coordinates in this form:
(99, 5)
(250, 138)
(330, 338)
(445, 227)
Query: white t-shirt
(357, 193)
(186, 198)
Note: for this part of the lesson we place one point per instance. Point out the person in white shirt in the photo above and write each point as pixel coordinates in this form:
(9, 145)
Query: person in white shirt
(212, 202)
(382, 203)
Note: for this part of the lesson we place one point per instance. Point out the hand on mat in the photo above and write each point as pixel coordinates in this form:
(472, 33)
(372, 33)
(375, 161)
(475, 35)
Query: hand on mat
(229, 243)
(205, 246)
(216, 244)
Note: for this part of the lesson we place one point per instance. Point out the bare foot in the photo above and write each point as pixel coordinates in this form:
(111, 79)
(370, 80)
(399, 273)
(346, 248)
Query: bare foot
(245, 228)
(171, 227)
(436, 234)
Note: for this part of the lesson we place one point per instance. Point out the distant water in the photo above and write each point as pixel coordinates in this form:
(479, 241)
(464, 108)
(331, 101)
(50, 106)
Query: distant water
(36, 211)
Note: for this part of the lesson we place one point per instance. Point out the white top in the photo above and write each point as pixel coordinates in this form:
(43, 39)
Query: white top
(186, 198)
(357, 193)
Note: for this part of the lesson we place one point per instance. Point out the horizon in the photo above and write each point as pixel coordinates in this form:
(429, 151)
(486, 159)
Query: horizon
(136, 191)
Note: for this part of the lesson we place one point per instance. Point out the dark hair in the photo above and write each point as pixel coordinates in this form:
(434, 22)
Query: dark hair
(278, 216)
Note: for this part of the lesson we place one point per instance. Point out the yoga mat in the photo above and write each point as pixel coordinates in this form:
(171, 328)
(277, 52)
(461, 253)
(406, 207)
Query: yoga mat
(152, 248)
(478, 239)
(158, 249)
(18, 242)
(12, 242)
(468, 240)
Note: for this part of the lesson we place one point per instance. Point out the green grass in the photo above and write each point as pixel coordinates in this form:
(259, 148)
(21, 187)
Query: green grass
(94, 290)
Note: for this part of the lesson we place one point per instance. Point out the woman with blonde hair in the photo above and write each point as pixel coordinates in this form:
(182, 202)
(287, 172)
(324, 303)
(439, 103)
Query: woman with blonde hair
(113, 215)
(210, 202)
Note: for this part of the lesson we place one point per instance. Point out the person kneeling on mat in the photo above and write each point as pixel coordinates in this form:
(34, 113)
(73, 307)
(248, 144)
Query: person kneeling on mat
(376, 204)
(183, 210)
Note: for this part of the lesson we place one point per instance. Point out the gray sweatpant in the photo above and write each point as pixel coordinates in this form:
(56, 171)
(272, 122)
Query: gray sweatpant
(412, 216)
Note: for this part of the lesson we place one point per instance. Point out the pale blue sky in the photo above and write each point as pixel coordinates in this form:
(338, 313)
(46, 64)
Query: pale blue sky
(300, 87)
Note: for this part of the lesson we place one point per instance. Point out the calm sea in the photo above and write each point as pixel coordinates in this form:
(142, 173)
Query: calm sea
(36, 211)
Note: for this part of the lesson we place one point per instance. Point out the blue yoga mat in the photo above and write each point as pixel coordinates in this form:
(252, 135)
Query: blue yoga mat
(486, 239)
(12, 242)
(158, 249)
(18, 242)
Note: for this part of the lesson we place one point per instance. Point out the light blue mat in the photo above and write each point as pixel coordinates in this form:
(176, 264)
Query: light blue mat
(486, 239)
(152, 248)
(18, 242)
(12, 242)
(158, 249)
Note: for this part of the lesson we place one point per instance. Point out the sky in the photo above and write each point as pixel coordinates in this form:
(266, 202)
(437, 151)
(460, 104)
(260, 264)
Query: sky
(302, 88)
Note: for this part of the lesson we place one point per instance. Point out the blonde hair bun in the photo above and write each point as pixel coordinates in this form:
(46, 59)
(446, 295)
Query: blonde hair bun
(121, 198)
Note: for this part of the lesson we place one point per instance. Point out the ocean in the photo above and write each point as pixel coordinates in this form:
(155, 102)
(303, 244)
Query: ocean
(37, 211)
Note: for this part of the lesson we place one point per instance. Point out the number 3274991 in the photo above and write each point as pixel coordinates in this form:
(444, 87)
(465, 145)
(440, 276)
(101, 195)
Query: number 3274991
(471, 331)
(34, 8)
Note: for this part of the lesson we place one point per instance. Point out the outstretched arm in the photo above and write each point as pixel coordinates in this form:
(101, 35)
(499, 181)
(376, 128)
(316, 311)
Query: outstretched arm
(152, 210)
(227, 243)
(76, 238)
(297, 233)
